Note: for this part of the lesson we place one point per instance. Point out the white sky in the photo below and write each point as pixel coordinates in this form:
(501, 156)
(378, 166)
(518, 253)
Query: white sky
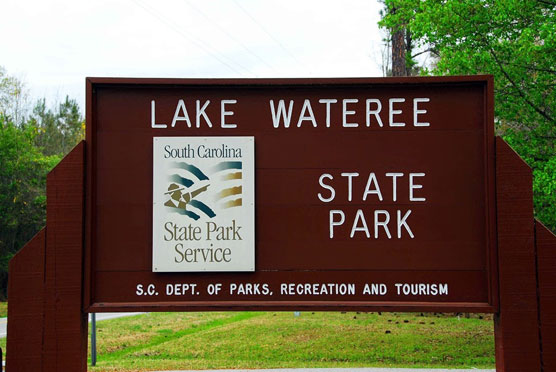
(54, 44)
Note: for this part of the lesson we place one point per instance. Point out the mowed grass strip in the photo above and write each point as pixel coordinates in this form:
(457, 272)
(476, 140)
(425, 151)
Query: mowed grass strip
(165, 341)
(158, 333)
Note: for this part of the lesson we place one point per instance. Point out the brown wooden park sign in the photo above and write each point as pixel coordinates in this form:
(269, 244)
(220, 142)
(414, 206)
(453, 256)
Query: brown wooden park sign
(311, 194)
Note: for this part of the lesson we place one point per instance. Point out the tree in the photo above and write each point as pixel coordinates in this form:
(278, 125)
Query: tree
(399, 37)
(13, 97)
(399, 47)
(514, 40)
(23, 170)
(58, 131)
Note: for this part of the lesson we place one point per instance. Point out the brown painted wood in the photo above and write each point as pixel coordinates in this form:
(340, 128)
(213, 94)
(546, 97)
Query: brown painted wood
(455, 228)
(47, 329)
(546, 261)
(284, 81)
(516, 325)
(65, 323)
(25, 308)
(298, 306)
(88, 285)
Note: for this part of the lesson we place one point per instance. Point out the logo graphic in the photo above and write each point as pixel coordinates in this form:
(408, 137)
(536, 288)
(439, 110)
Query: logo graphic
(182, 191)
(203, 204)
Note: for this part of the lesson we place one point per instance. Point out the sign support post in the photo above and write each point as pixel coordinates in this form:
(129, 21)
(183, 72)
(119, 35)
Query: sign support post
(517, 328)
(47, 327)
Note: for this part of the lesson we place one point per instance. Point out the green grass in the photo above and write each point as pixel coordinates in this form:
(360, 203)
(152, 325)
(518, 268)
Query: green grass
(160, 341)
(3, 309)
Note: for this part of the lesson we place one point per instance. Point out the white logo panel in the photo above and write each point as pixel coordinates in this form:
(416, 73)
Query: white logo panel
(203, 204)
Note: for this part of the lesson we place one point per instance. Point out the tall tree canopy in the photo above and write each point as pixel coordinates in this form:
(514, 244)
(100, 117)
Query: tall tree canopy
(57, 130)
(514, 40)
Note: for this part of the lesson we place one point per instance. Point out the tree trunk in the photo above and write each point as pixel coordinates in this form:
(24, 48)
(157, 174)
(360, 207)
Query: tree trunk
(398, 53)
(398, 50)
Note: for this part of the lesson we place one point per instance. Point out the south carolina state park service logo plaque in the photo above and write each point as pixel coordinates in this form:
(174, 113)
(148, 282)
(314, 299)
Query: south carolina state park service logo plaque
(203, 204)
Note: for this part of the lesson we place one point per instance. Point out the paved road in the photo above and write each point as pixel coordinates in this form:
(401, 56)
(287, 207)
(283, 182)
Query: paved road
(100, 316)
(345, 370)
(106, 316)
(3, 327)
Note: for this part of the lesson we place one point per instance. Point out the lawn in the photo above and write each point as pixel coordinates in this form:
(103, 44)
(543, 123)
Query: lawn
(163, 341)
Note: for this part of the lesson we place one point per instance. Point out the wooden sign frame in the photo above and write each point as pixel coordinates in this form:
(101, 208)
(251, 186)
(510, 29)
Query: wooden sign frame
(47, 328)
(250, 90)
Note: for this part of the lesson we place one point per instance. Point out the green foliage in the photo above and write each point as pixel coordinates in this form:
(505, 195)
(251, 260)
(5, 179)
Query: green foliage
(57, 131)
(535, 152)
(514, 40)
(544, 185)
(23, 170)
